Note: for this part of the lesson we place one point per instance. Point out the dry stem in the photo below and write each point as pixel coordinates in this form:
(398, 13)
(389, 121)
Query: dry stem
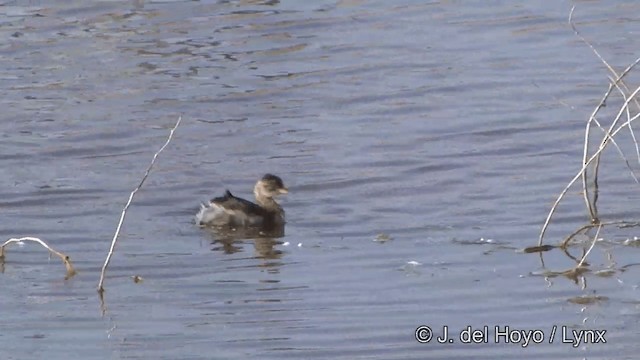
(65, 259)
(592, 206)
(593, 243)
(566, 241)
(124, 210)
(586, 163)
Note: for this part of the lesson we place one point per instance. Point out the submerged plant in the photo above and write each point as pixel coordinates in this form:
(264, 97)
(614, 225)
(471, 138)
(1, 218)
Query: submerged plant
(622, 122)
(65, 259)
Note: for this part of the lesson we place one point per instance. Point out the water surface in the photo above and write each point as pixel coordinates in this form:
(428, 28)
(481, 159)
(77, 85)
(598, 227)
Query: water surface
(444, 128)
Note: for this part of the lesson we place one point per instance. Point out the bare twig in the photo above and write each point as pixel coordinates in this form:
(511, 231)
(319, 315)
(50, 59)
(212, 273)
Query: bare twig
(592, 205)
(576, 233)
(576, 273)
(65, 259)
(608, 137)
(124, 210)
(566, 241)
(606, 64)
(566, 252)
(575, 31)
(586, 163)
(591, 162)
(633, 136)
(585, 154)
(593, 243)
(619, 150)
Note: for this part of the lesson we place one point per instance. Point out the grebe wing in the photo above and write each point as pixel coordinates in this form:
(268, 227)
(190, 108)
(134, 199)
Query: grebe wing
(233, 204)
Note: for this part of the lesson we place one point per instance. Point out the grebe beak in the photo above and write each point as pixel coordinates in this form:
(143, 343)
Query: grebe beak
(283, 190)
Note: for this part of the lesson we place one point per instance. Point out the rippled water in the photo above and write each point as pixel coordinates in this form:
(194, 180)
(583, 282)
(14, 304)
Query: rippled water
(422, 142)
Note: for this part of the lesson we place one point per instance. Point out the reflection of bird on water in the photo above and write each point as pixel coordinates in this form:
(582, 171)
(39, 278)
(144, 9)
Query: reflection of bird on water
(232, 211)
(265, 247)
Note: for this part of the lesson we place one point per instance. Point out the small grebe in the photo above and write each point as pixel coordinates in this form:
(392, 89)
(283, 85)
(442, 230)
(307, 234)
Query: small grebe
(229, 210)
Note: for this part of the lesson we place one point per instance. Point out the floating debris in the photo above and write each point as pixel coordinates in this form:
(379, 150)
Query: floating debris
(587, 299)
(537, 249)
(605, 272)
(382, 238)
(65, 259)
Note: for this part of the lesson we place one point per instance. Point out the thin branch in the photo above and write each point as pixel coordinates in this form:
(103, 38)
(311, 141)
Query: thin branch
(585, 154)
(65, 259)
(566, 252)
(606, 64)
(607, 138)
(576, 233)
(575, 31)
(124, 210)
(582, 229)
(592, 207)
(633, 136)
(595, 239)
(586, 164)
(618, 149)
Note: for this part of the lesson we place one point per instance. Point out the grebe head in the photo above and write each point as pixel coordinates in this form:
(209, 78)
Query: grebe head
(269, 186)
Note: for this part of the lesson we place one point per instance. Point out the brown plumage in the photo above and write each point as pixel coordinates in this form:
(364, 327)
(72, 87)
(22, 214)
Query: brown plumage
(229, 210)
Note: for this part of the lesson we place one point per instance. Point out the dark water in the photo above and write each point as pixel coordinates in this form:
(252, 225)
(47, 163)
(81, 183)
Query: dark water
(445, 127)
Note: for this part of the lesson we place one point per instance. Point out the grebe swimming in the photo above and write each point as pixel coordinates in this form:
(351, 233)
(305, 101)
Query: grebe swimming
(229, 210)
